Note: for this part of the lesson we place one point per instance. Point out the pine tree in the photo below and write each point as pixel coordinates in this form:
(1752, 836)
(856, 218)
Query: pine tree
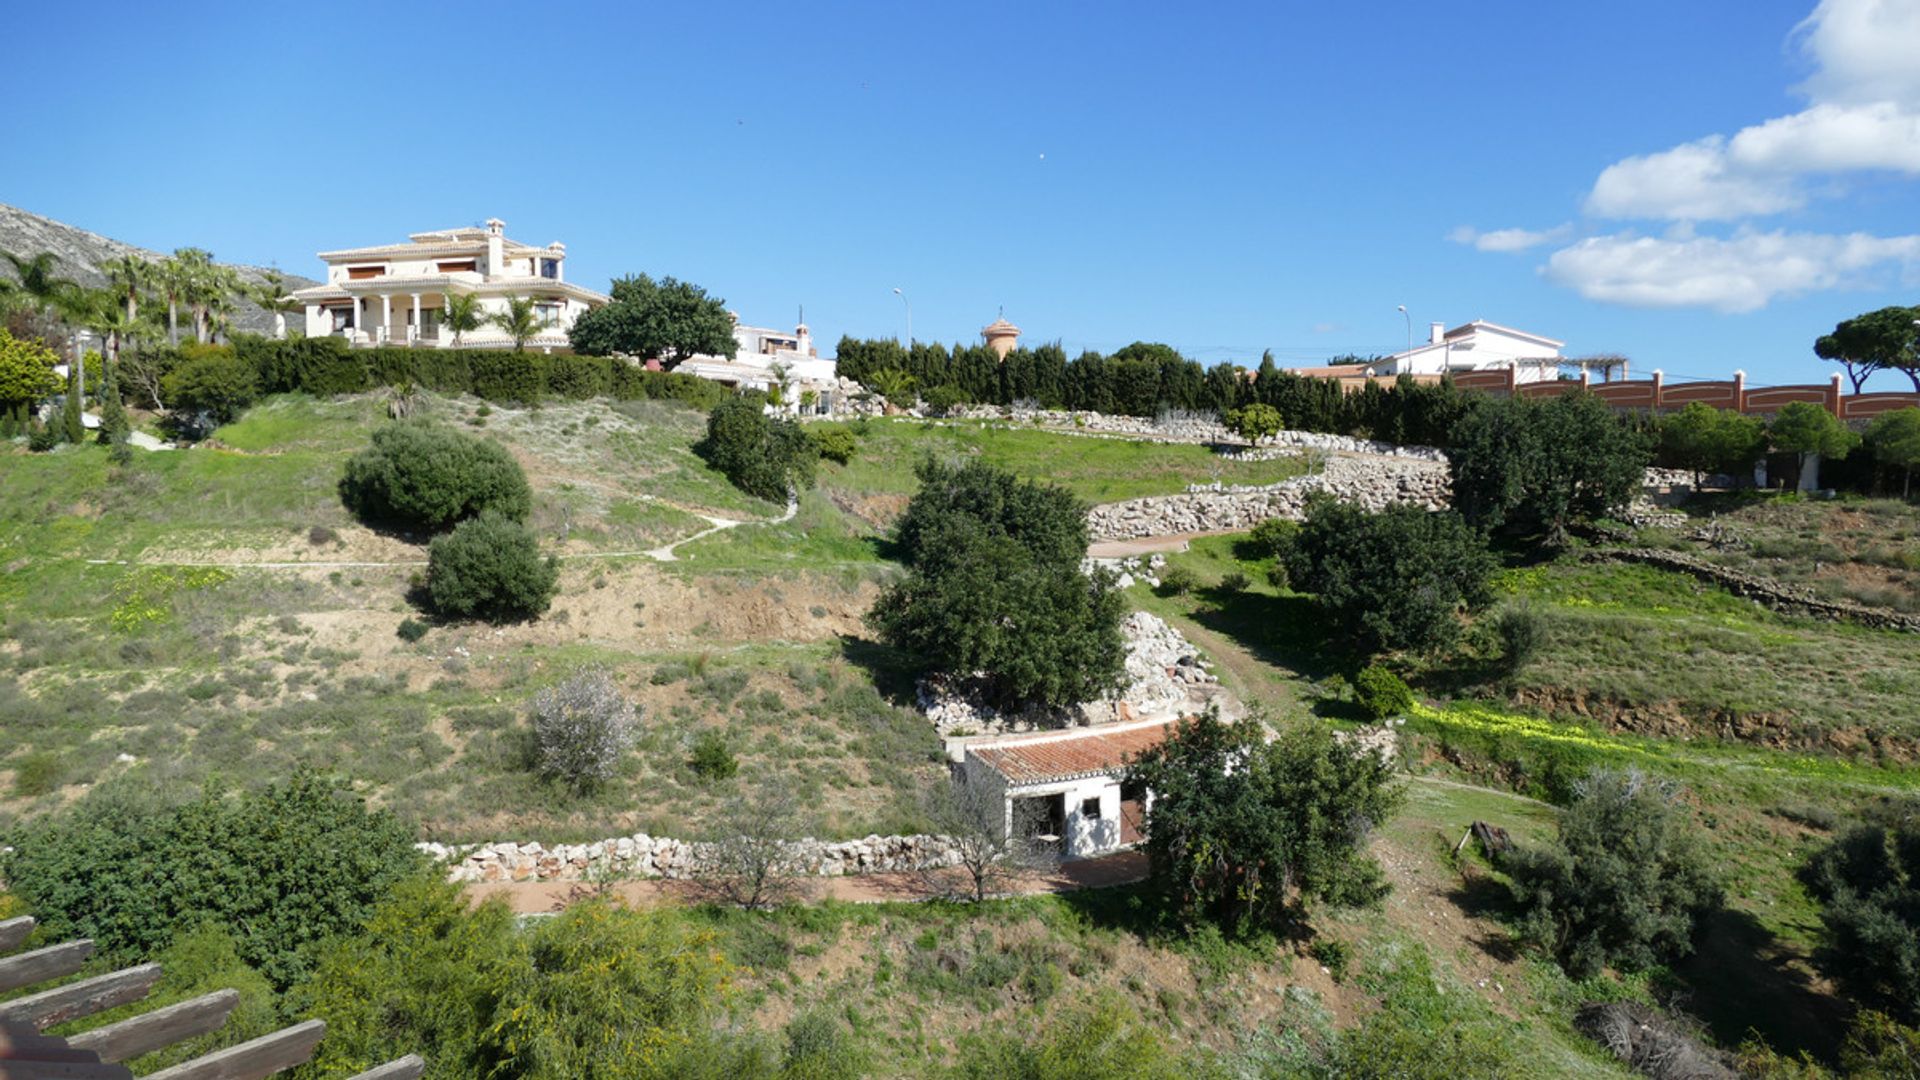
(72, 427)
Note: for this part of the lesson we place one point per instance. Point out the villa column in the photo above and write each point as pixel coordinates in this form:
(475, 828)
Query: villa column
(386, 315)
(414, 334)
(353, 323)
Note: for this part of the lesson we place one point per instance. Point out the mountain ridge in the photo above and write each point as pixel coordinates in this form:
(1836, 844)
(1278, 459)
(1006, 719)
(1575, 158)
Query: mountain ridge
(79, 254)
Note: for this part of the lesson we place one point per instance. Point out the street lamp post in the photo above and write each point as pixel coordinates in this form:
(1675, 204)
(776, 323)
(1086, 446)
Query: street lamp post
(1409, 320)
(909, 303)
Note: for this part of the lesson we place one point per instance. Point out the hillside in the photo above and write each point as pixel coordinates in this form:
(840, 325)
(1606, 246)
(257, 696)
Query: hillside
(214, 616)
(79, 254)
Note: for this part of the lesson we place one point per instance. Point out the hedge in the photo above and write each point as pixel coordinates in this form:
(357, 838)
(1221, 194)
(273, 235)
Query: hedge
(327, 366)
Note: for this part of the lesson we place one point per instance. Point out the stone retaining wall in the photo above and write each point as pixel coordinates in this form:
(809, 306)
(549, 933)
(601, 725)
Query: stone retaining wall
(1774, 594)
(643, 856)
(1374, 483)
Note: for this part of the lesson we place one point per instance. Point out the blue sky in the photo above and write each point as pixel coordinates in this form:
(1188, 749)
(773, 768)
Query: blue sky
(1701, 186)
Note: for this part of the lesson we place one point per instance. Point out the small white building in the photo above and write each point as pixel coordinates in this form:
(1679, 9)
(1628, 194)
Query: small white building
(767, 357)
(1066, 789)
(394, 294)
(1476, 346)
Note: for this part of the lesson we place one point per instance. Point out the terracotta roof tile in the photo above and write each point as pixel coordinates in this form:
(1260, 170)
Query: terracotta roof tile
(1068, 756)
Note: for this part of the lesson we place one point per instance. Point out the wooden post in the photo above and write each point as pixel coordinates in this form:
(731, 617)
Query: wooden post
(406, 1068)
(13, 932)
(40, 965)
(252, 1060)
(83, 998)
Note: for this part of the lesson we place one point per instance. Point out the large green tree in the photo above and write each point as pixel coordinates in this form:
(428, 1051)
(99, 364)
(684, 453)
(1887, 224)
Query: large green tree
(1533, 469)
(1397, 579)
(666, 320)
(420, 474)
(1895, 440)
(1811, 432)
(1243, 833)
(1874, 341)
(1705, 439)
(994, 589)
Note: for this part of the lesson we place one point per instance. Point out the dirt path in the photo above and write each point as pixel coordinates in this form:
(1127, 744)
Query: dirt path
(659, 554)
(535, 897)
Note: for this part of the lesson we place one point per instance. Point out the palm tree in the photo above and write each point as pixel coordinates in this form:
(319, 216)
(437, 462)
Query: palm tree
(176, 279)
(45, 288)
(894, 386)
(107, 318)
(271, 295)
(131, 274)
(521, 320)
(463, 314)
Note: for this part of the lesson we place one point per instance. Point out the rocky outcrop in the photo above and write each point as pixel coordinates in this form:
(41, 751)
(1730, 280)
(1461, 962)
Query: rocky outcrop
(1774, 594)
(1163, 675)
(643, 856)
(1374, 483)
(1290, 443)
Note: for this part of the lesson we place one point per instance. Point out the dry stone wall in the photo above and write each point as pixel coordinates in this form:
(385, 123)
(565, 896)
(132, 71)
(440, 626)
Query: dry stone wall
(643, 856)
(1374, 483)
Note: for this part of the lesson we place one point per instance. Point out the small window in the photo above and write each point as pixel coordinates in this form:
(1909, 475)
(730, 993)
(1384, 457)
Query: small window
(1090, 809)
(364, 273)
(342, 318)
(456, 266)
(549, 268)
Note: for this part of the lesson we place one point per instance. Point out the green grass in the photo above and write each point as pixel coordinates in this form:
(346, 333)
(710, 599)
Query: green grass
(1661, 652)
(1097, 470)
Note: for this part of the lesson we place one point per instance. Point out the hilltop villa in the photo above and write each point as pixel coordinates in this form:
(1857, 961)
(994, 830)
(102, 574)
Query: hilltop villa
(1475, 346)
(394, 294)
(765, 357)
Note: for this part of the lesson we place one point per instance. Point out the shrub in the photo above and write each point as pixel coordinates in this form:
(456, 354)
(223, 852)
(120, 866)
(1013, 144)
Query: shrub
(761, 455)
(490, 568)
(835, 443)
(211, 382)
(37, 773)
(285, 868)
(1237, 821)
(411, 630)
(420, 474)
(944, 400)
(1868, 884)
(581, 729)
(26, 373)
(1102, 1038)
(1235, 581)
(1254, 422)
(1625, 885)
(1397, 579)
(1380, 693)
(1178, 581)
(1522, 628)
(1274, 538)
(712, 759)
(321, 534)
(42, 439)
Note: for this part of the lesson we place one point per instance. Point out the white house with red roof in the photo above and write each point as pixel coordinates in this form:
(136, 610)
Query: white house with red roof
(394, 294)
(1066, 789)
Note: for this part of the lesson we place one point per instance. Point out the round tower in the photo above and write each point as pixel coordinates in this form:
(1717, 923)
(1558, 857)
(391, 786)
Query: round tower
(1001, 336)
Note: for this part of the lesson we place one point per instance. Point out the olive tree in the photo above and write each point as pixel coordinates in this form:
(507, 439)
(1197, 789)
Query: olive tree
(582, 727)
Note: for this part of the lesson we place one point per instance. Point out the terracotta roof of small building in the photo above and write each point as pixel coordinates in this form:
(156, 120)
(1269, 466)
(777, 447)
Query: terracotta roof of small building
(1067, 757)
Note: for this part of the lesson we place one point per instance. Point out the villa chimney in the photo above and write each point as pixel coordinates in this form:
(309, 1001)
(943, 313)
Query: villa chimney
(496, 246)
(804, 338)
(1436, 333)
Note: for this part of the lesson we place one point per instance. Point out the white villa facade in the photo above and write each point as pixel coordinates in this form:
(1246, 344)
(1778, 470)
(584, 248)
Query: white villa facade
(766, 357)
(1067, 789)
(1476, 346)
(395, 294)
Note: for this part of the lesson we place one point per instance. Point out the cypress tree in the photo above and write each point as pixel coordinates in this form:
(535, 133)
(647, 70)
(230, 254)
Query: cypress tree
(72, 426)
(113, 413)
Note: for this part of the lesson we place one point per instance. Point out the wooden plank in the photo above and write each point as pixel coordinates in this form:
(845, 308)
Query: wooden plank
(251, 1060)
(148, 1032)
(62, 1071)
(82, 998)
(13, 932)
(40, 965)
(406, 1068)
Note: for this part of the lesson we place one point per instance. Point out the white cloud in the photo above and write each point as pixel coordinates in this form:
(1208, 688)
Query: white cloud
(1691, 182)
(1508, 240)
(1863, 114)
(1733, 274)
